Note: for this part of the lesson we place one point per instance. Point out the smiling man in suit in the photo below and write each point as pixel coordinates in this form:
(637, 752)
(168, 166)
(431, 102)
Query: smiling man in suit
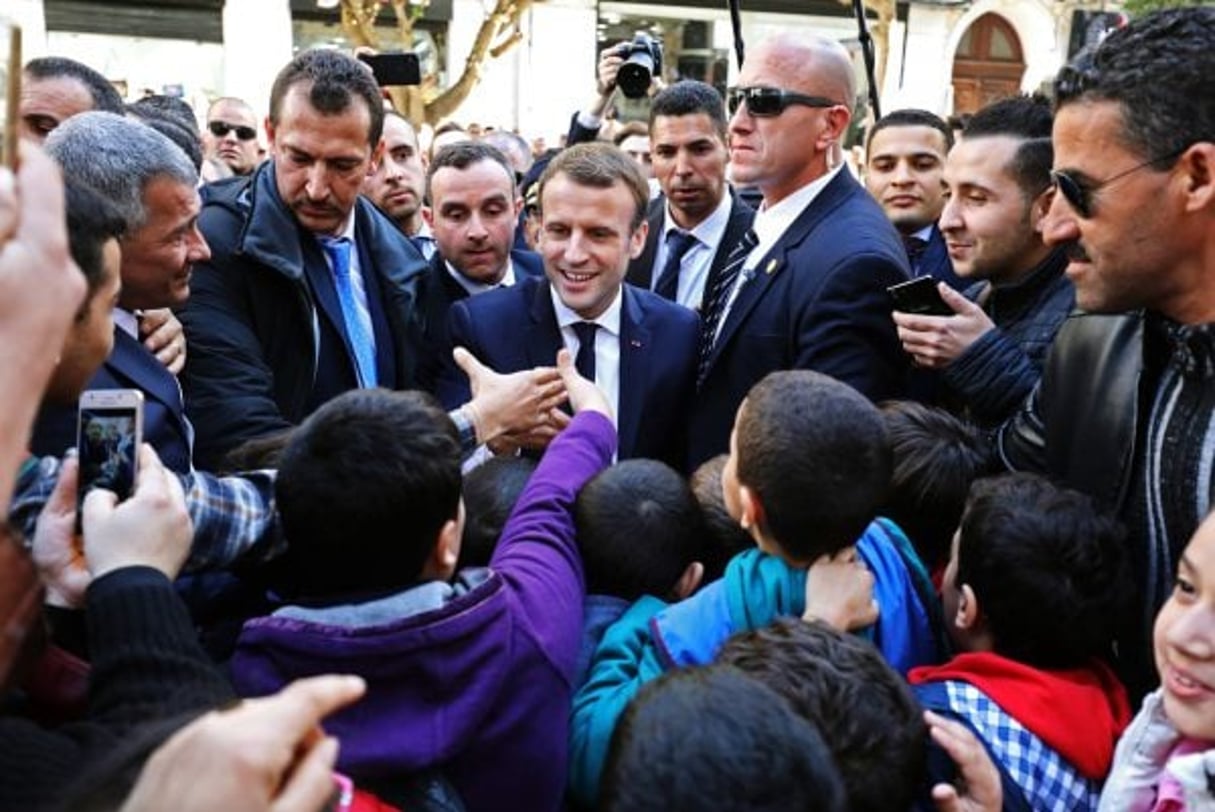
(152, 184)
(639, 348)
(696, 220)
(806, 287)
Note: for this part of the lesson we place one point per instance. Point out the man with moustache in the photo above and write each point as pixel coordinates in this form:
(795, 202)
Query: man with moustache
(1125, 410)
(311, 291)
(806, 287)
(696, 221)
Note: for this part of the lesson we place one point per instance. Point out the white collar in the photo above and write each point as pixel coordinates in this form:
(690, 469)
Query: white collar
(127, 321)
(709, 230)
(473, 286)
(609, 319)
(772, 221)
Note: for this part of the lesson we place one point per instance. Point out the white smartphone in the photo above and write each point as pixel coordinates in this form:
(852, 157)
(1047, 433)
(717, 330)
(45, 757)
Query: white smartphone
(109, 432)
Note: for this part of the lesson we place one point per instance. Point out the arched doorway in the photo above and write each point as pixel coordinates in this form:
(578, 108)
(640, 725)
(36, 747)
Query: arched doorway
(988, 64)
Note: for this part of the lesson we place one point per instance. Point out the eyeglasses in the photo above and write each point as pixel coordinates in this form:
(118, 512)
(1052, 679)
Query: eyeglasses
(221, 128)
(766, 102)
(1080, 195)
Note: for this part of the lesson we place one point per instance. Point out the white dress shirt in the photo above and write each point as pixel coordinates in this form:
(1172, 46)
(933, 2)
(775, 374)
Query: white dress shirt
(607, 344)
(694, 269)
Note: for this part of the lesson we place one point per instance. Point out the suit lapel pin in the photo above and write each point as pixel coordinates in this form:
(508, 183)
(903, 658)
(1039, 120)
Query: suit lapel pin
(636, 344)
(773, 264)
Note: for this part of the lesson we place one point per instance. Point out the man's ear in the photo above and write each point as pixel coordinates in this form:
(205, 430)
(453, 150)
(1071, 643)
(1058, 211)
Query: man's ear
(967, 617)
(637, 240)
(1039, 208)
(269, 134)
(750, 508)
(689, 581)
(1198, 164)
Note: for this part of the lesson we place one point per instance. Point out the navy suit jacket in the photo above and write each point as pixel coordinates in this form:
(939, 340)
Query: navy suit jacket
(817, 300)
(130, 366)
(641, 270)
(516, 328)
(439, 293)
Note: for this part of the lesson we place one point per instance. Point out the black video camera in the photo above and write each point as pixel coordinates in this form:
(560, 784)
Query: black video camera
(642, 60)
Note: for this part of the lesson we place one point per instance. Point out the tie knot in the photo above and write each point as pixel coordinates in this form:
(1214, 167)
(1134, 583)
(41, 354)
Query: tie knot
(915, 246)
(585, 330)
(680, 242)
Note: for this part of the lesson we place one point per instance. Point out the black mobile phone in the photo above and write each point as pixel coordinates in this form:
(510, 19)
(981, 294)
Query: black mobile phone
(394, 68)
(919, 296)
(109, 432)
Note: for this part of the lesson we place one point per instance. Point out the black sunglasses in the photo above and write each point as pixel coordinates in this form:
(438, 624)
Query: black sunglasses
(765, 102)
(1080, 195)
(221, 128)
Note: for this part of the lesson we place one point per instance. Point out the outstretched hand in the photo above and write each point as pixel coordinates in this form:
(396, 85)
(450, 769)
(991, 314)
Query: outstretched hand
(839, 592)
(518, 403)
(583, 394)
(165, 337)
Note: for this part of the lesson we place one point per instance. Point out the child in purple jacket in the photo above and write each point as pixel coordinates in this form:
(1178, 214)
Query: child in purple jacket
(468, 675)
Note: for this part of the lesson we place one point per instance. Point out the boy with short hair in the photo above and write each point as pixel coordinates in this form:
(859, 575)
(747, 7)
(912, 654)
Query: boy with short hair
(471, 675)
(809, 466)
(640, 533)
(840, 684)
(1032, 596)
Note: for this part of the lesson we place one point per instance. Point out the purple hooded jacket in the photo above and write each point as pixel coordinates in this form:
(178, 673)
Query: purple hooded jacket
(476, 679)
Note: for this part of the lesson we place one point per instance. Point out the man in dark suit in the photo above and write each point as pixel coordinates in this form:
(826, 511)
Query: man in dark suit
(905, 161)
(312, 291)
(639, 348)
(696, 222)
(153, 186)
(474, 205)
(806, 289)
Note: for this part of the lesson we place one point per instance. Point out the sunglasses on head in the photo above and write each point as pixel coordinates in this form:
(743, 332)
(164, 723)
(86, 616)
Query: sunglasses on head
(221, 128)
(771, 101)
(1079, 195)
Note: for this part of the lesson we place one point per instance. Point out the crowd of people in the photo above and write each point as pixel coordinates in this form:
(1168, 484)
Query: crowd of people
(617, 477)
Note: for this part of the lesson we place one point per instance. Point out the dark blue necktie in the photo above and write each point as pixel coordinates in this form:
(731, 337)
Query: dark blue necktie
(678, 245)
(719, 294)
(357, 319)
(585, 360)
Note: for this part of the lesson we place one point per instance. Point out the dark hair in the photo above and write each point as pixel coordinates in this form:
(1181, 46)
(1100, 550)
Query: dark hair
(1029, 119)
(687, 98)
(104, 96)
(815, 453)
(464, 154)
(334, 79)
(363, 489)
(92, 221)
(1047, 568)
(490, 493)
(600, 166)
(449, 127)
(912, 117)
(714, 739)
(628, 131)
(936, 459)
(864, 711)
(1161, 70)
(639, 528)
(181, 130)
(725, 535)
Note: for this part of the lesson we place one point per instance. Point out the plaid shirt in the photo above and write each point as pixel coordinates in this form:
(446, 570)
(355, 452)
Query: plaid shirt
(1048, 782)
(234, 516)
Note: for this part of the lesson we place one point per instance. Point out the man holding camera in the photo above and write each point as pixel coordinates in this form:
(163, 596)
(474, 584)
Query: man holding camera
(696, 221)
(806, 287)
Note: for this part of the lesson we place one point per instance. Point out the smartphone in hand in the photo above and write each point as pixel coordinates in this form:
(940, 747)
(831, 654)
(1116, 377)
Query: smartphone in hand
(919, 296)
(109, 433)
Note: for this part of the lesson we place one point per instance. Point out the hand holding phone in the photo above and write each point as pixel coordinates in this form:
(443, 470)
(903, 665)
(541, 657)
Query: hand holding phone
(109, 433)
(919, 296)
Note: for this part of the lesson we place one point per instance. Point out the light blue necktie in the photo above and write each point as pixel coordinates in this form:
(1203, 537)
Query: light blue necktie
(354, 314)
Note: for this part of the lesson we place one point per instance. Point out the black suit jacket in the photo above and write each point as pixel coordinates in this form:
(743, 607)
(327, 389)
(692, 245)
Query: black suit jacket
(817, 300)
(516, 328)
(130, 366)
(641, 269)
(439, 292)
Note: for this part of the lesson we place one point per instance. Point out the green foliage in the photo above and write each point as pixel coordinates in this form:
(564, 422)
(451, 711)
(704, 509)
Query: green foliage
(1137, 8)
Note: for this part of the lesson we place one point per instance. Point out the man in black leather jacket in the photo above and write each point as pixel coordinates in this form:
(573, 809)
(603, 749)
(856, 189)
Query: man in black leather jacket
(1126, 407)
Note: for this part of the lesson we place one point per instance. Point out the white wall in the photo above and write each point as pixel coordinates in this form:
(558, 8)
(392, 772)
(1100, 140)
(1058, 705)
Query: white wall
(257, 44)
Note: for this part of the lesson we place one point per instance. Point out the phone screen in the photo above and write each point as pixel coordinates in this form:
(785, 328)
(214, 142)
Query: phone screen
(108, 445)
(920, 296)
(10, 86)
(395, 68)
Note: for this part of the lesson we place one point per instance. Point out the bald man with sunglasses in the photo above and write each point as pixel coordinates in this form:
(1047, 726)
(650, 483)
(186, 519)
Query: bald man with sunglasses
(1125, 410)
(806, 287)
(230, 135)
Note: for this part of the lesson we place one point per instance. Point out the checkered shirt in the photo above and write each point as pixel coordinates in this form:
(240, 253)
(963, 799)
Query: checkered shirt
(1048, 782)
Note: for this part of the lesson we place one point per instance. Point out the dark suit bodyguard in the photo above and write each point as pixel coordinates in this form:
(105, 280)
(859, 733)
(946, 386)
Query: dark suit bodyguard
(312, 291)
(639, 348)
(152, 185)
(696, 221)
(474, 205)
